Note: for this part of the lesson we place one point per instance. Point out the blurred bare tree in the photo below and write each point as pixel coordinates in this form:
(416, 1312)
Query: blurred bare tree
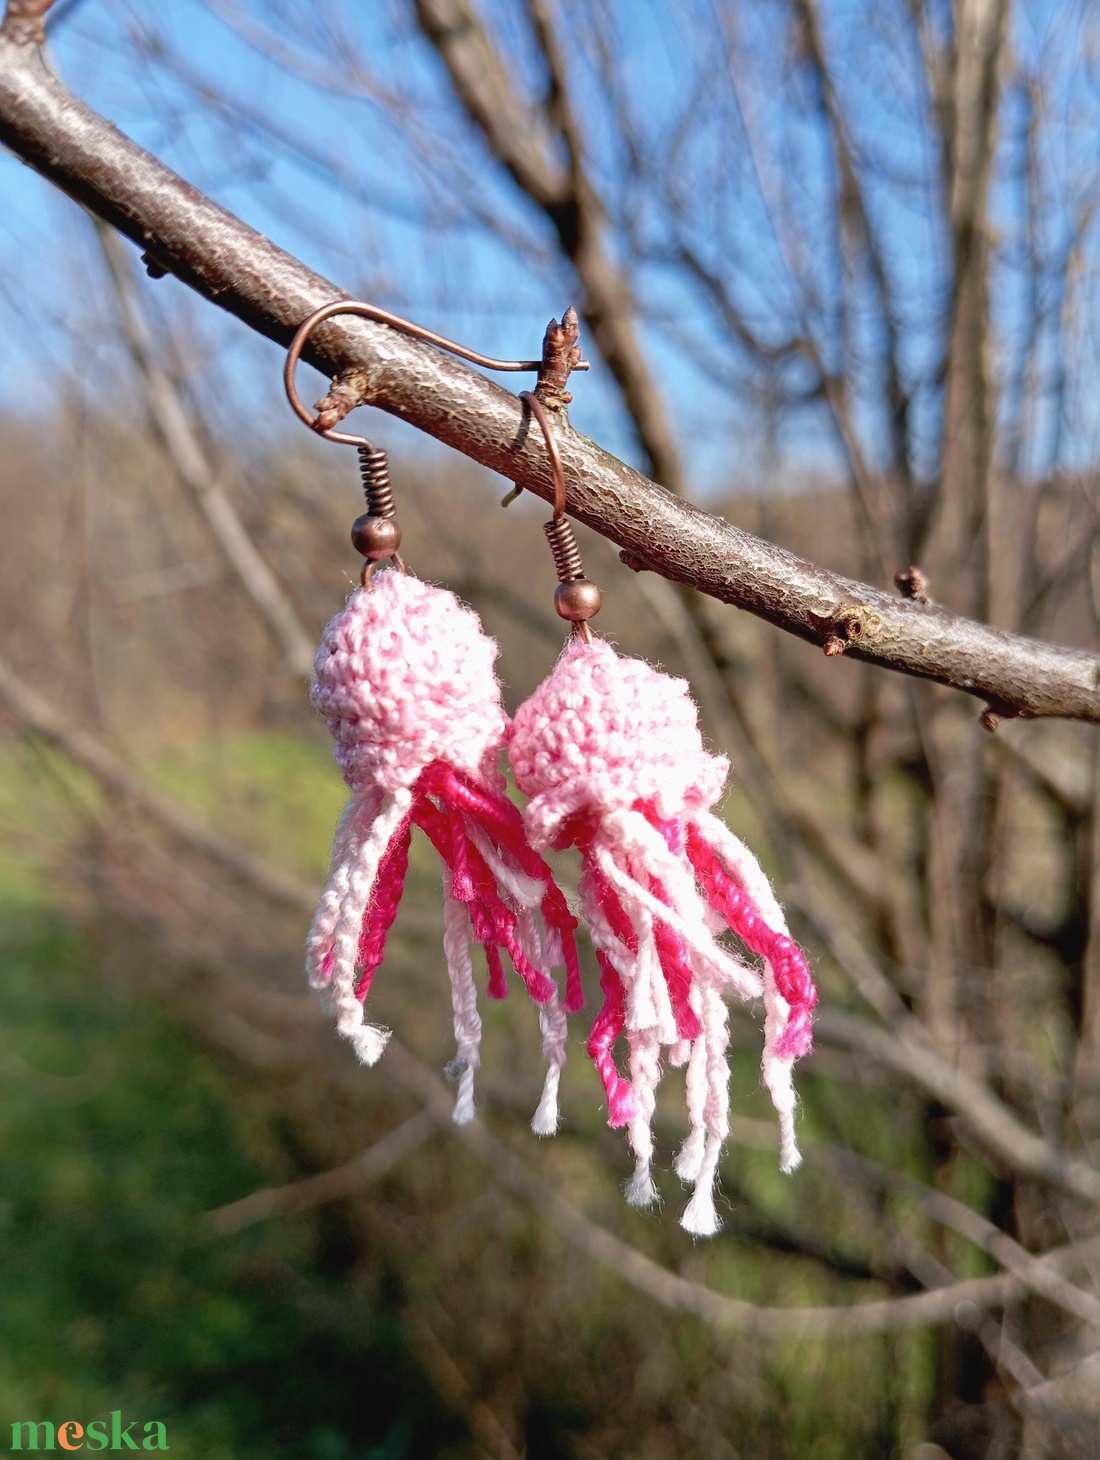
(874, 227)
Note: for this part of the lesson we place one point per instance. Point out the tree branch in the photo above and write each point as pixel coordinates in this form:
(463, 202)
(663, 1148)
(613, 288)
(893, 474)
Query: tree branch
(332, 1185)
(25, 21)
(230, 264)
(522, 140)
(1019, 1148)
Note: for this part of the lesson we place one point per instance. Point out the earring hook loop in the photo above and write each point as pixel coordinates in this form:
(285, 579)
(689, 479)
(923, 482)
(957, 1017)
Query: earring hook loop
(542, 416)
(394, 321)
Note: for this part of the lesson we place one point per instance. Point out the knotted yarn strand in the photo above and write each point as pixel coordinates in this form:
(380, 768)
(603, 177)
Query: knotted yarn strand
(553, 1027)
(368, 1040)
(701, 1215)
(689, 1161)
(353, 826)
(467, 1020)
(784, 1039)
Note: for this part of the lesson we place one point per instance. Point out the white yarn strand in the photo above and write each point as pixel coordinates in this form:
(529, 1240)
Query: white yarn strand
(350, 833)
(700, 1216)
(525, 891)
(555, 1033)
(778, 1075)
(777, 1070)
(368, 1040)
(690, 1159)
(467, 1020)
(543, 951)
(645, 1075)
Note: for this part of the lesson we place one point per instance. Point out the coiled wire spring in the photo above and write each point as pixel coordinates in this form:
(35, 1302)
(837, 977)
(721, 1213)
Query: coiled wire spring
(374, 469)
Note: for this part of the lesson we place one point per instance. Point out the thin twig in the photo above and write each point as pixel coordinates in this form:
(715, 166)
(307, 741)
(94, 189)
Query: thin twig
(668, 1289)
(332, 1185)
(33, 713)
(192, 464)
(909, 1053)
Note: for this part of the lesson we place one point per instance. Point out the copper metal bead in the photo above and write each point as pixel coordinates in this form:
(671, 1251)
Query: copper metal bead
(577, 600)
(375, 537)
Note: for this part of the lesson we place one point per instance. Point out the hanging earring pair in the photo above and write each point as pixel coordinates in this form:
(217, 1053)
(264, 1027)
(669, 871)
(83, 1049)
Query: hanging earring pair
(609, 754)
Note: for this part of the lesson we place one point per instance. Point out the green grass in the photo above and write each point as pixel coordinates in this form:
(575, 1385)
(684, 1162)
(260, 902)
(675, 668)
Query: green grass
(117, 1134)
(279, 795)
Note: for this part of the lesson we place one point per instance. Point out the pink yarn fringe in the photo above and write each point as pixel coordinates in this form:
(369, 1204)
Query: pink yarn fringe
(609, 752)
(501, 820)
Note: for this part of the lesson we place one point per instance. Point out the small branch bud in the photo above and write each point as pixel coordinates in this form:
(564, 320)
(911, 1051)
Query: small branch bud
(344, 395)
(995, 713)
(560, 354)
(911, 583)
(834, 646)
(25, 22)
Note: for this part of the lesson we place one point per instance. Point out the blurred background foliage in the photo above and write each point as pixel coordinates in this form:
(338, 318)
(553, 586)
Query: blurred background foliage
(374, 1330)
(837, 270)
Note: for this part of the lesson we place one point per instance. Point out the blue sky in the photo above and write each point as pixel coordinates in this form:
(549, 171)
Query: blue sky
(346, 191)
(391, 247)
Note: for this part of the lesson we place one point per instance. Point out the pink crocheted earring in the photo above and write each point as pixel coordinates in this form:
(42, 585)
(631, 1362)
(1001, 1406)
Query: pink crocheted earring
(404, 680)
(609, 752)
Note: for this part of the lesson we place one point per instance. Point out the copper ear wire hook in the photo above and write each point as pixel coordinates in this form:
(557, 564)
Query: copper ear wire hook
(394, 321)
(542, 416)
(576, 599)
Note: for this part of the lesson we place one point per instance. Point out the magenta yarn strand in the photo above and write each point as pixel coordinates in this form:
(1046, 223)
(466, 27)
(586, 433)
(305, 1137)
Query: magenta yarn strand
(792, 976)
(676, 968)
(612, 909)
(382, 911)
(606, 1029)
